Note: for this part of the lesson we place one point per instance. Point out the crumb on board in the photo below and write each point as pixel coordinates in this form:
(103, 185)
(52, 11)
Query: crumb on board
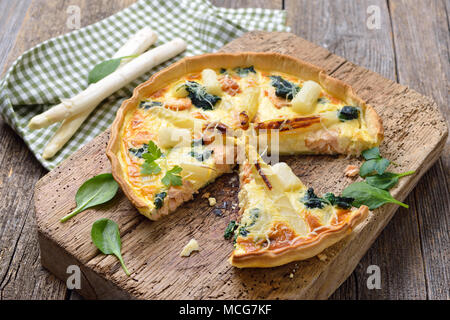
(212, 201)
(189, 248)
(206, 195)
(291, 275)
(351, 171)
(322, 256)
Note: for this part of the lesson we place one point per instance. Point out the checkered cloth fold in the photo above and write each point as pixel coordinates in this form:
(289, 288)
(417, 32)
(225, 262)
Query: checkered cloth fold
(58, 68)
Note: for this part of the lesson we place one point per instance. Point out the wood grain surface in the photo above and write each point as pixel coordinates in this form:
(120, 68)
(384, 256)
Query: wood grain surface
(412, 251)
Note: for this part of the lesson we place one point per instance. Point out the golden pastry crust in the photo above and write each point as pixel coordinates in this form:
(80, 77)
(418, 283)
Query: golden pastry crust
(302, 250)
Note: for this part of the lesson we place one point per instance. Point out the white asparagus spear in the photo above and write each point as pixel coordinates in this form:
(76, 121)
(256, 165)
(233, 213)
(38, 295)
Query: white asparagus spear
(137, 44)
(95, 93)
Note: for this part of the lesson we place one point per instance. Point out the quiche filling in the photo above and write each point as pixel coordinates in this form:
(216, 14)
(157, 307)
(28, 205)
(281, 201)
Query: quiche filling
(188, 131)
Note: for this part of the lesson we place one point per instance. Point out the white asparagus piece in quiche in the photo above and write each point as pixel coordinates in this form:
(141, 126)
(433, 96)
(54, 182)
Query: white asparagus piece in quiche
(136, 45)
(305, 100)
(97, 92)
(211, 83)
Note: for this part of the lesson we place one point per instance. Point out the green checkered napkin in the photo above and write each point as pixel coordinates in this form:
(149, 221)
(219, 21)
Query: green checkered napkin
(58, 68)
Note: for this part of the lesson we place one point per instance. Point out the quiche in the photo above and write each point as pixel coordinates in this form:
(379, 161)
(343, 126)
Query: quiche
(193, 121)
(282, 220)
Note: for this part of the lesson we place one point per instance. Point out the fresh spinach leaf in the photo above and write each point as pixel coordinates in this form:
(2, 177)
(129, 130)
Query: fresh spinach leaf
(348, 113)
(105, 68)
(172, 177)
(106, 237)
(365, 194)
(284, 88)
(373, 165)
(159, 199)
(95, 191)
(386, 180)
(373, 153)
(199, 97)
(230, 229)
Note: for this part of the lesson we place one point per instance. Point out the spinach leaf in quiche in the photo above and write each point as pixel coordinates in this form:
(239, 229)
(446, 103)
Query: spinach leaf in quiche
(348, 113)
(243, 72)
(199, 97)
(283, 88)
(159, 199)
(149, 104)
(340, 202)
(230, 229)
(137, 152)
(311, 200)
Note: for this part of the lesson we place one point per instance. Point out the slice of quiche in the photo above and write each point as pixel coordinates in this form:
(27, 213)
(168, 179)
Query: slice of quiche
(282, 220)
(165, 159)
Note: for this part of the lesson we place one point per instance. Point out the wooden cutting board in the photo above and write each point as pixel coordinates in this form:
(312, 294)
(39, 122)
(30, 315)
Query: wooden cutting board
(415, 133)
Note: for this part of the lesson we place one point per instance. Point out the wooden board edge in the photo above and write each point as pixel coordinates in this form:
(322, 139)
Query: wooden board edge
(90, 280)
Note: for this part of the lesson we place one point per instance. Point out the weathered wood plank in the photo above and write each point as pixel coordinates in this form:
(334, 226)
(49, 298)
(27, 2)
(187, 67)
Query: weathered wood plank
(422, 47)
(11, 16)
(325, 23)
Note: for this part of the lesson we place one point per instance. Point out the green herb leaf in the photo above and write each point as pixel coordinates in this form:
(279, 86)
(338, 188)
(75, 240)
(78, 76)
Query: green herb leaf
(150, 168)
(365, 194)
(386, 180)
(106, 237)
(153, 153)
(95, 191)
(373, 165)
(172, 178)
(230, 229)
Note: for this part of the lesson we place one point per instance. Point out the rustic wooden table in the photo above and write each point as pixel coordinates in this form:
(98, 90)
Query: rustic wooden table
(411, 46)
